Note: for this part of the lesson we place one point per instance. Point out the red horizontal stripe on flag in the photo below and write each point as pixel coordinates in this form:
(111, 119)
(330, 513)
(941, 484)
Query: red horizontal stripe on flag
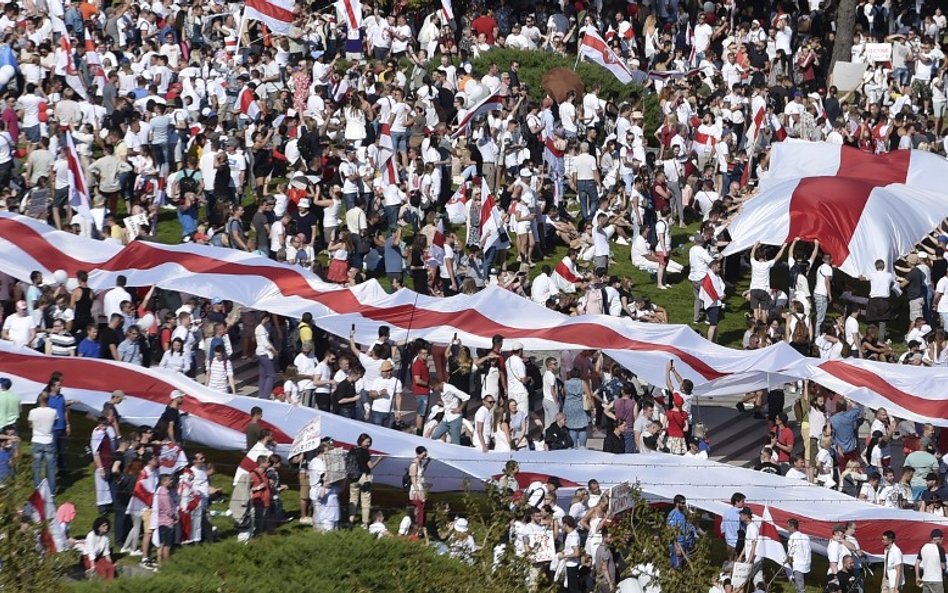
(143, 256)
(271, 10)
(92, 376)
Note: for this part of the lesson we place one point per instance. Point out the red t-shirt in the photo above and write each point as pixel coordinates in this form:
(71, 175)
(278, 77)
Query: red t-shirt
(485, 24)
(784, 437)
(676, 423)
(419, 368)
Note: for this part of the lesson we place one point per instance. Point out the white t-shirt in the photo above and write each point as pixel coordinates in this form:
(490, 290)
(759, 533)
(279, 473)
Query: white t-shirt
(798, 548)
(483, 415)
(931, 563)
(383, 404)
(760, 274)
(893, 560)
(549, 386)
(515, 370)
(824, 271)
(19, 328)
(880, 284)
(835, 552)
(942, 287)
(852, 328)
(751, 537)
(41, 420)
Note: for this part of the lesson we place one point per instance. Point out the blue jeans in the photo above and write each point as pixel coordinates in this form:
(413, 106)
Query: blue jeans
(629, 438)
(347, 412)
(391, 216)
(381, 418)
(822, 304)
(421, 405)
(32, 133)
(588, 197)
(350, 200)
(452, 428)
(267, 376)
(400, 141)
(579, 437)
(44, 454)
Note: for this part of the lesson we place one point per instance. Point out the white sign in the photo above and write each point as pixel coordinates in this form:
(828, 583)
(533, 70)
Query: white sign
(133, 225)
(740, 573)
(847, 76)
(308, 437)
(620, 498)
(540, 546)
(878, 52)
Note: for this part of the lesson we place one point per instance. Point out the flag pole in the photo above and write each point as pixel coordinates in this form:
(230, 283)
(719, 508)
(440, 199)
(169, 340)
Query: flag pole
(578, 54)
(241, 28)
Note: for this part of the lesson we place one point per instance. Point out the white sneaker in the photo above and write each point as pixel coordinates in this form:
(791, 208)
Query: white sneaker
(135, 553)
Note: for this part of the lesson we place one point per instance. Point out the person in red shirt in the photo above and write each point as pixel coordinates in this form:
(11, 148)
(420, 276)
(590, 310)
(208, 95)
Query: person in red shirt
(420, 384)
(486, 25)
(677, 426)
(262, 498)
(661, 197)
(781, 438)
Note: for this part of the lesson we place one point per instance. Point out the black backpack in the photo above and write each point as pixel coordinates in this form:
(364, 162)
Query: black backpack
(188, 183)
(353, 471)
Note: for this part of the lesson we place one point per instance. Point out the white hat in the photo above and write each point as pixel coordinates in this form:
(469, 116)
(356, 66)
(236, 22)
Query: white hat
(461, 525)
(526, 172)
(176, 394)
(304, 203)
(516, 346)
(922, 255)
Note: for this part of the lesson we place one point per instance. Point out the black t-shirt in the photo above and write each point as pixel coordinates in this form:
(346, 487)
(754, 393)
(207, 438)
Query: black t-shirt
(305, 224)
(344, 390)
(915, 286)
(167, 417)
(362, 457)
(108, 337)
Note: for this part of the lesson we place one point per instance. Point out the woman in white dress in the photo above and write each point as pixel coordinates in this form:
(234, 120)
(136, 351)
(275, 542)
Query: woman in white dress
(502, 438)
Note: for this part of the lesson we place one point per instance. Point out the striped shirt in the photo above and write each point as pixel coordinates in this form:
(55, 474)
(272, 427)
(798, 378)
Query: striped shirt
(219, 371)
(61, 344)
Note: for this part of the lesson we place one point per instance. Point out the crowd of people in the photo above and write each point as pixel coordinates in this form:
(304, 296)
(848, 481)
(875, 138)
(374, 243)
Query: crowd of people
(190, 109)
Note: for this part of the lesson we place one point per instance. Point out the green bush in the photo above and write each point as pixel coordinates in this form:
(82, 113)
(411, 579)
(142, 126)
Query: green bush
(534, 64)
(341, 561)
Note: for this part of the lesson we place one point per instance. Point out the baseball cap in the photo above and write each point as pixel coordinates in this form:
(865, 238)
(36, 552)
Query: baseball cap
(216, 301)
(937, 533)
(176, 394)
(516, 346)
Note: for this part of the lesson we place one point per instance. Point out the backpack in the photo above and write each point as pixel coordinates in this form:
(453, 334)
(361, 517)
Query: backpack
(188, 184)
(800, 333)
(406, 479)
(353, 472)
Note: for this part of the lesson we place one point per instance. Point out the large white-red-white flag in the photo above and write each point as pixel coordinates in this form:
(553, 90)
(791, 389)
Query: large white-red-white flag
(769, 545)
(277, 15)
(447, 11)
(249, 462)
(349, 11)
(861, 207)
(491, 223)
(66, 61)
(758, 117)
(595, 49)
(489, 103)
(247, 101)
(78, 190)
(436, 250)
(94, 63)
(43, 510)
(387, 161)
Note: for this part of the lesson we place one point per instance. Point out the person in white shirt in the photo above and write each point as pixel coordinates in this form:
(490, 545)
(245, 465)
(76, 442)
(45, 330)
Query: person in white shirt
(542, 288)
(760, 281)
(822, 290)
(752, 552)
(797, 469)
(382, 394)
(112, 304)
(699, 258)
(19, 327)
(930, 564)
(800, 552)
(41, 420)
(453, 400)
(551, 405)
(894, 576)
(517, 378)
(484, 424)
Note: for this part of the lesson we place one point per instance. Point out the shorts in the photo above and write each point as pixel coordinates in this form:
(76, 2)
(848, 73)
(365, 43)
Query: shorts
(165, 535)
(714, 315)
(61, 198)
(304, 481)
(759, 299)
(421, 405)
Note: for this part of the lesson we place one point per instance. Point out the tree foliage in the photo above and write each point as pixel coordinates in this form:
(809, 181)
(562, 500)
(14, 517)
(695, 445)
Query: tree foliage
(23, 567)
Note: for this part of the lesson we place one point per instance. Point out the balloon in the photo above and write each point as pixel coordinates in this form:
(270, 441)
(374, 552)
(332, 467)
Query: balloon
(147, 321)
(72, 284)
(475, 92)
(60, 276)
(7, 72)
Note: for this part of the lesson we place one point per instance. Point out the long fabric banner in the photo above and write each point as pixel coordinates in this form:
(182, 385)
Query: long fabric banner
(218, 420)
(27, 245)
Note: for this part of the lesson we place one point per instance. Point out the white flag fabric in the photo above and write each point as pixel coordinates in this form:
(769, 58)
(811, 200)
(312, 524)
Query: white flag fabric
(66, 60)
(491, 223)
(349, 12)
(595, 49)
(769, 545)
(388, 163)
(277, 15)
(489, 103)
(27, 245)
(42, 509)
(861, 207)
(218, 420)
(78, 190)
